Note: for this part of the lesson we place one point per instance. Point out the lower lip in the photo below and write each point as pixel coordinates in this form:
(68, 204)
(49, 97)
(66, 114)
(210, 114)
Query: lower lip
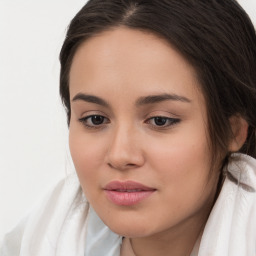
(127, 198)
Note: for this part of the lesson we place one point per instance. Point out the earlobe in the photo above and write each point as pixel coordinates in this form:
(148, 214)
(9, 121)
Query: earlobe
(239, 127)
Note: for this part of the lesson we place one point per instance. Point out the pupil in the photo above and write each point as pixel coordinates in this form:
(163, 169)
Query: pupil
(97, 120)
(160, 121)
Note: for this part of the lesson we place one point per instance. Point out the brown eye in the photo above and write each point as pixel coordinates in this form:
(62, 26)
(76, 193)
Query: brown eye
(160, 121)
(97, 120)
(94, 121)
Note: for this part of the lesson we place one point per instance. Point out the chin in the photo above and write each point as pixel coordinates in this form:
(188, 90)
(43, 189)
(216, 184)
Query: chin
(132, 231)
(130, 227)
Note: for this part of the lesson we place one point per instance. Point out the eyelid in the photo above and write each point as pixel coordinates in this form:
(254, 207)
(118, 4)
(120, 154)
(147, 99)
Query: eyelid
(92, 113)
(159, 113)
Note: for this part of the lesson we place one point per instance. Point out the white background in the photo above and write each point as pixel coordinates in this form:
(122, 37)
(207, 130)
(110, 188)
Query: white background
(34, 151)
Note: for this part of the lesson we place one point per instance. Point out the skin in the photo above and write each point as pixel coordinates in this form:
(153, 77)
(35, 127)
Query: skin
(120, 67)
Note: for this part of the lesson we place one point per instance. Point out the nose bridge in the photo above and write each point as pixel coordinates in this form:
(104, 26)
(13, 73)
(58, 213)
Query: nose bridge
(125, 150)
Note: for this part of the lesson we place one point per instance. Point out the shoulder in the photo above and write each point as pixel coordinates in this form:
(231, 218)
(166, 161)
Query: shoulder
(45, 221)
(234, 213)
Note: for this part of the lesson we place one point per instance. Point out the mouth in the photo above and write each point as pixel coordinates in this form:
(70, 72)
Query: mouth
(127, 193)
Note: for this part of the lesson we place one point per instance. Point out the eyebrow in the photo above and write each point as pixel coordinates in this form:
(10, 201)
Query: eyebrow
(91, 99)
(151, 99)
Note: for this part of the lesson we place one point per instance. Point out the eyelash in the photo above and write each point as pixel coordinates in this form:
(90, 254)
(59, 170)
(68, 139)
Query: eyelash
(170, 122)
(85, 119)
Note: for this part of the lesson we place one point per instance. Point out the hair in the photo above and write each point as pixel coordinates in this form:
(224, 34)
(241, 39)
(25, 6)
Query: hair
(215, 36)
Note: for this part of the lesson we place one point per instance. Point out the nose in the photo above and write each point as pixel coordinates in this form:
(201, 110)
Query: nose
(125, 150)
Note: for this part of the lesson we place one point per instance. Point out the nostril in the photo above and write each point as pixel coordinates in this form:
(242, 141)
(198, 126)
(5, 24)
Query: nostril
(110, 165)
(131, 165)
(124, 156)
(121, 167)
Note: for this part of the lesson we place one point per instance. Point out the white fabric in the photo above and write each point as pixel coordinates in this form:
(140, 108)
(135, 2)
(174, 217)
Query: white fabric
(65, 225)
(62, 225)
(231, 227)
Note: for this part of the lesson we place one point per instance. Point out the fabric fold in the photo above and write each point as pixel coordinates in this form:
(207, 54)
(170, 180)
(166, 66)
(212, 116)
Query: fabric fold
(231, 226)
(100, 239)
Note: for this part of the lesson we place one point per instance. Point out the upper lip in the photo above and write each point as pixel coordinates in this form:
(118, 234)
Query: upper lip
(127, 186)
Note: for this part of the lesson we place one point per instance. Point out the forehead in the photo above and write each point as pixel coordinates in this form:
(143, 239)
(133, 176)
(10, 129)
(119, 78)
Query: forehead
(131, 61)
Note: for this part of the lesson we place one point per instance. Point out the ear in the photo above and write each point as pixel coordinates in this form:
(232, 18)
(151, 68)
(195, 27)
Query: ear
(239, 129)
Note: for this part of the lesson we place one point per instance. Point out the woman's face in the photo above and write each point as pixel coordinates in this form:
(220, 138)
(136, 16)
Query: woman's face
(138, 134)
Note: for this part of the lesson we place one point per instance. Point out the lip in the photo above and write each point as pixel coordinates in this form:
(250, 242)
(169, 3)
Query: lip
(127, 193)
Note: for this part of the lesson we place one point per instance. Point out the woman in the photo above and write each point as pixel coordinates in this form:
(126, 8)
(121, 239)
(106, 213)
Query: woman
(161, 102)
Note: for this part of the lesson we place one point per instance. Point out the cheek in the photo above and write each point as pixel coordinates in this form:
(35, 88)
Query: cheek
(181, 155)
(86, 148)
(182, 164)
(87, 155)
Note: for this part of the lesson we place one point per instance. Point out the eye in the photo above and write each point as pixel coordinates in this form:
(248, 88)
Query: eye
(162, 121)
(94, 121)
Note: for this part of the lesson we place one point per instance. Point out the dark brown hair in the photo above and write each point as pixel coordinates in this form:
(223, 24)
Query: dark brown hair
(215, 36)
